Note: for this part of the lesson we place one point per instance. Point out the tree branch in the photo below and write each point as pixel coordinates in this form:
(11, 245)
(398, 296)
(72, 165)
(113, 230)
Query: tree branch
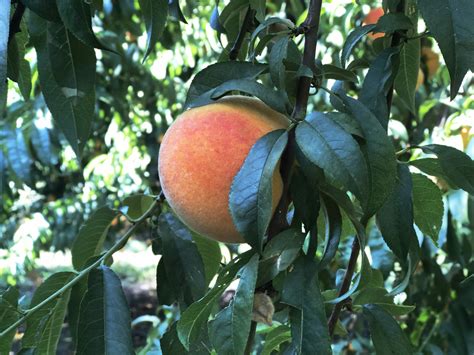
(310, 28)
(248, 20)
(16, 20)
(83, 273)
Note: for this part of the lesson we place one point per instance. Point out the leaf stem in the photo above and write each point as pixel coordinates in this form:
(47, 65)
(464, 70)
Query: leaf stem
(83, 273)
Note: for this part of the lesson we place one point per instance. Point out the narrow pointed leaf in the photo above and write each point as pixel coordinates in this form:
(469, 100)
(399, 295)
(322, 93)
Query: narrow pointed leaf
(456, 165)
(308, 319)
(4, 31)
(378, 82)
(208, 79)
(386, 334)
(230, 329)
(90, 239)
(427, 205)
(380, 155)
(450, 23)
(76, 16)
(181, 257)
(405, 81)
(8, 315)
(47, 9)
(44, 327)
(333, 222)
(351, 41)
(395, 218)
(327, 145)
(71, 107)
(250, 198)
(155, 13)
(104, 323)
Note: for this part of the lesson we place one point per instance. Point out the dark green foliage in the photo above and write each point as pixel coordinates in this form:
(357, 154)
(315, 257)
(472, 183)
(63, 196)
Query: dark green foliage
(366, 171)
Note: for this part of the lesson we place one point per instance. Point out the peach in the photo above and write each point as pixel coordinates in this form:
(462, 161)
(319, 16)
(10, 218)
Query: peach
(200, 155)
(372, 18)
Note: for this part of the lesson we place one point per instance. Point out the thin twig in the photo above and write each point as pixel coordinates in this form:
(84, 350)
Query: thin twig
(16, 20)
(248, 20)
(83, 273)
(346, 282)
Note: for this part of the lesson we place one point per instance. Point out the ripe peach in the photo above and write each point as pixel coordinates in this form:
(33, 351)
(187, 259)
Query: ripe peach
(201, 153)
(372, 18)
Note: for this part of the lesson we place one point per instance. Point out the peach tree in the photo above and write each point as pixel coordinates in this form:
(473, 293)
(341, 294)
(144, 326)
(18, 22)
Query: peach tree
(372, 167)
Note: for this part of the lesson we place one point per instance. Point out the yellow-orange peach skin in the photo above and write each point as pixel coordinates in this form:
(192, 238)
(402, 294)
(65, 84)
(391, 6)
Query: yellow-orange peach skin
(202, 152)
(372, 18)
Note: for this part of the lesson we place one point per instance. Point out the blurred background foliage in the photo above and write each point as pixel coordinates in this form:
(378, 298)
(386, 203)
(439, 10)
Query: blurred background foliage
(46, 193)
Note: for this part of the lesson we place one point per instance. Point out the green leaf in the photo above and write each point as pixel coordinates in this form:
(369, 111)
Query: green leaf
(432, 166)
(259, 6)
(407, 76)
(344, 120)
(74, 307)
(47, 9)
(229, 330)
(327, 145)
(456, 165)
(333, 223)
(449, 21)
(208, 79)
(395, 218)
(277, 54)
(210, 252)
(378, 82)
(308, 319)
(8, 315)
(250, 197)
(351, 41)
(279, 254)
(275, 338)
(392, 22)
(18, 155)
(193, 320)
(44, 327)
(380, 155)
(90, 239)
(18, 67)
(181, 257)
(334, 72)
(175, 11)
(428, 205)
(272, 98)
(72, 108)
(136, 206)
(76, 16)
(72, 62)
(265, 25)
(155, 13)
(386, 334)
(305, 197)
(104, 323)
